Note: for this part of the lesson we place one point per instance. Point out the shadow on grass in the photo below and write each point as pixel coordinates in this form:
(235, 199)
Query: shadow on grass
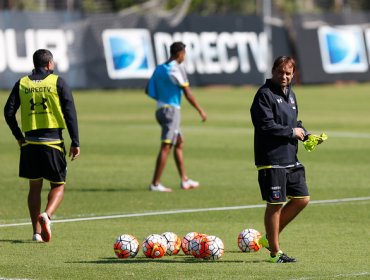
(161, 260)
(105, 190)
(18, 241)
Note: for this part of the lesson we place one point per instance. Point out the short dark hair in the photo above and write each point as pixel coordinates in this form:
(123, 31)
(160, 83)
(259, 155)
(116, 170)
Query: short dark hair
(41, 58)
(283, 60)
(176, 47)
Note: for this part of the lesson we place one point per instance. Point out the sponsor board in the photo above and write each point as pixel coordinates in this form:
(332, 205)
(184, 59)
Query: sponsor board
(129, 52)
(343, 49)
(56, 40)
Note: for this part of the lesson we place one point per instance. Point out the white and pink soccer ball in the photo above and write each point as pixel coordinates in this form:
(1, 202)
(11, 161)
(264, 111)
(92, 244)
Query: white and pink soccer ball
(248, 240)
(126, 246)
(173, 243)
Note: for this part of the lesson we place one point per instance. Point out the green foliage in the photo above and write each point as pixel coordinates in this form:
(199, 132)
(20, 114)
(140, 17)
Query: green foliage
(202, 7)
(218, 6)
(119, 144)
(207, 7)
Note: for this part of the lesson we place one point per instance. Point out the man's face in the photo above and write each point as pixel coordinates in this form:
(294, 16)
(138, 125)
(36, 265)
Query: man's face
(283, 75)
(51, 65)
(181, 56)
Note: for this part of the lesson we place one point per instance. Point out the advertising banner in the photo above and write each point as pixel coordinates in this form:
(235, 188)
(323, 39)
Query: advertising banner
(333, 47)
(121, 51)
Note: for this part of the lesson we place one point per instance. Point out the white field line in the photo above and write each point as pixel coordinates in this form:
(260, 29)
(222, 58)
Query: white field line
(346, 134)
(346, 276)
(182, 211)
(249, 130)
(334, 134)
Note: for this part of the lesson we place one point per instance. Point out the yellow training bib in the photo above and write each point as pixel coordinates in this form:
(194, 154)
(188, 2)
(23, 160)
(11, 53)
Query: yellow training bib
(40, 105)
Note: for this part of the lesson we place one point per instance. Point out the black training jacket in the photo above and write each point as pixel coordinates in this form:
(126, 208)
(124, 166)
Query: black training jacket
(66, 102)
(274, 115)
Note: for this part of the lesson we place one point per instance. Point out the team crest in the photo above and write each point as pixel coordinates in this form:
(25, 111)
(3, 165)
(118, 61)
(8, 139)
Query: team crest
(276, 194)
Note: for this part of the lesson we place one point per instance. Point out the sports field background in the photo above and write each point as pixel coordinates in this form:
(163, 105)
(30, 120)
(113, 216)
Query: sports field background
(119, 143)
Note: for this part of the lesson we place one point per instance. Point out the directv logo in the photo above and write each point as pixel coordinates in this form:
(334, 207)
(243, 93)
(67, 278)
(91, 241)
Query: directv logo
(342, 49)
(128, 53)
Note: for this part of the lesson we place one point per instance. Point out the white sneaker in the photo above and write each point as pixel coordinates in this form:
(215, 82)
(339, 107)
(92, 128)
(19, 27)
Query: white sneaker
(159, 188)
(37, 237)
(189, 184)
(45, 227)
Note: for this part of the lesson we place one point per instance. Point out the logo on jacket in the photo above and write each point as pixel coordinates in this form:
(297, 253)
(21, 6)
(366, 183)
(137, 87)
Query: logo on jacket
(342, 49)
(279, 100)
(128, 53)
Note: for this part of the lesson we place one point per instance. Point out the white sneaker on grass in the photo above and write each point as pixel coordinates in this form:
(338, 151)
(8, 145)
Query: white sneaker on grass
(159, 188)
(45, 226)
(189, 184)
(37, 237)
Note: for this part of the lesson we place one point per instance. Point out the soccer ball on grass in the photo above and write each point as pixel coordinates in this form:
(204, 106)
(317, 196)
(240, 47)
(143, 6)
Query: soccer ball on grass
(248, 240)
(154, 246)
(173, 243)
(185, 242)
(126, 246)
(196, 245)
(212, 248)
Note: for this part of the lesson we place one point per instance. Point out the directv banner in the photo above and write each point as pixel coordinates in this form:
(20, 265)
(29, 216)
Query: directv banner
(114, 51)
(333, 47)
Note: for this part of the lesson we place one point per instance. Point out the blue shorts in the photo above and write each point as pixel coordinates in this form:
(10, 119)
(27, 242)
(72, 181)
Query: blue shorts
(278, 184)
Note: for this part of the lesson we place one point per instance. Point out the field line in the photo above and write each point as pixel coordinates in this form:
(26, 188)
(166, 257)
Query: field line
(248, 130)
(346, 276)
(182, 211)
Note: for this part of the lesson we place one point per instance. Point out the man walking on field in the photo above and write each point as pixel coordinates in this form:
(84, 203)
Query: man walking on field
(47, 107)
(167, 84)
(274, 113)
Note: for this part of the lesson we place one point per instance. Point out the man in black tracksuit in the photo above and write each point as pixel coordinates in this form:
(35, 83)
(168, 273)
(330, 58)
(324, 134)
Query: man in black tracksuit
(47, 107)
(280, 175)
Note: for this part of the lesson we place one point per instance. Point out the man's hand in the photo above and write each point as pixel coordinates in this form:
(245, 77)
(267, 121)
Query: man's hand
(74, 152)
(299, 133)
(21, 142)
(203, 115)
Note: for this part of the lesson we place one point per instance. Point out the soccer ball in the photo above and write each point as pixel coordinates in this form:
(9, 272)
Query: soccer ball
(173, 243)
(196, 245)
(248, 240)
(126, 246)
(212, 248)
(185, 242)
(154, 246)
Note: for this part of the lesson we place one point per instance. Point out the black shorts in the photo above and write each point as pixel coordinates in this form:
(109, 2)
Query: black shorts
(276, 184)
(39, 161)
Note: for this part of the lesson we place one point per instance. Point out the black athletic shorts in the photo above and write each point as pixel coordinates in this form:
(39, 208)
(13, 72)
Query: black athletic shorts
(40, 161)
(278, 184)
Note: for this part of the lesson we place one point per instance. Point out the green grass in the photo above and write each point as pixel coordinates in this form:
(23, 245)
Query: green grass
(119, 144)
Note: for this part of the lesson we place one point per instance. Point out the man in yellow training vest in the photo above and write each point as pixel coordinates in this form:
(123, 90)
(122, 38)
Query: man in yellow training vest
(47, 107)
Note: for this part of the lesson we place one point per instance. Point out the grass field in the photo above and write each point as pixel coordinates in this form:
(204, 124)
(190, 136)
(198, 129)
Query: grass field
(119, 144)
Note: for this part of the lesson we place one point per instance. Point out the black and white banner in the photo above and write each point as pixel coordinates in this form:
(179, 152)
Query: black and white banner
(113, 51)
